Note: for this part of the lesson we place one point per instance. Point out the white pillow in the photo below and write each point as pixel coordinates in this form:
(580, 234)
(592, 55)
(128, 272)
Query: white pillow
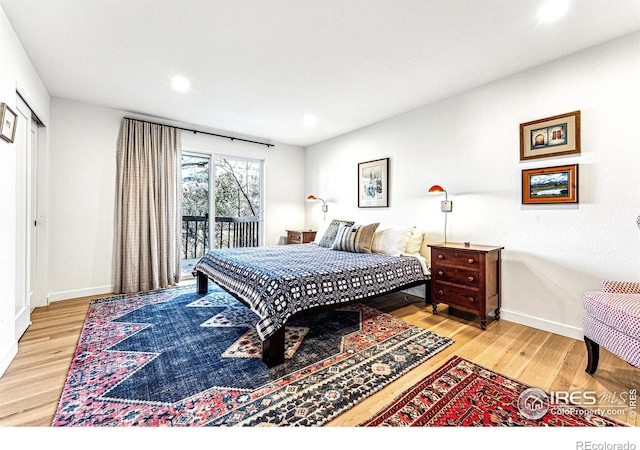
(391, 240)
(415, 241)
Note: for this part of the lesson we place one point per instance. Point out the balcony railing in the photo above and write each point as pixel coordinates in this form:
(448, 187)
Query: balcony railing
(234, 232)
(195, 236)
(230, 232)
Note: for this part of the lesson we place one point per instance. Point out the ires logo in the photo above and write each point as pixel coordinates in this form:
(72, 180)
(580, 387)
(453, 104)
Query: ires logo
(533, 403)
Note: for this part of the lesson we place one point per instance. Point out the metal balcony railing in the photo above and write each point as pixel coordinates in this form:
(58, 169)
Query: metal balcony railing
(234, 232)
(195, 236)
(230, 232)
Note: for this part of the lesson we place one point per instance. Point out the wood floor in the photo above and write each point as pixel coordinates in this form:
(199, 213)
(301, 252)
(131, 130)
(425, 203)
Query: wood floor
(31, 386)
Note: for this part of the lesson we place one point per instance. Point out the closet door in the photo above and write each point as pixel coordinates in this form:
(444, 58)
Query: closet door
(26, 144)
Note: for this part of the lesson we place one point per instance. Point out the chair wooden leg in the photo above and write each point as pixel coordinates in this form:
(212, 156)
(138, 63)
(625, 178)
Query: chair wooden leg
(593, 354)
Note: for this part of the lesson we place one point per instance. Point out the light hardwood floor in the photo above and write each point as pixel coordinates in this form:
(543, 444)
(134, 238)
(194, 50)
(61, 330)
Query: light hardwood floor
(31, 386)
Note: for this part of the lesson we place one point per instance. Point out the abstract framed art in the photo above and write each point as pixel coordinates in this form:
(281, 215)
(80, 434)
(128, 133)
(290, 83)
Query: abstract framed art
(550, 185)
(373, 184)
(8, 121)
(553, 136)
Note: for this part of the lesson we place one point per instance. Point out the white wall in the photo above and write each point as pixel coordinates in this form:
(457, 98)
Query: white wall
(469, 144)
(17, 74)
(82, 198)
(83, 190)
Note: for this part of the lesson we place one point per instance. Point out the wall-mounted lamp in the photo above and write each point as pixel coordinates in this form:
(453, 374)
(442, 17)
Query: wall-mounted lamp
(446, 206)
(313, 198)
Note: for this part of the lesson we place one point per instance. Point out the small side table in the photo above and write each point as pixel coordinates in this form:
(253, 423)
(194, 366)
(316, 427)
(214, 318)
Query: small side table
(300, 236)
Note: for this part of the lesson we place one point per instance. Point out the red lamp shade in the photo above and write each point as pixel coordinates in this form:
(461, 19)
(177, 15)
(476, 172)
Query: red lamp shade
(436, 188)
(312, 198)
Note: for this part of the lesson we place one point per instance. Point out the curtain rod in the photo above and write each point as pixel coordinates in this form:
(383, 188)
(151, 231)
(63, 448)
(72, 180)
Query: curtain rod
(204, 132)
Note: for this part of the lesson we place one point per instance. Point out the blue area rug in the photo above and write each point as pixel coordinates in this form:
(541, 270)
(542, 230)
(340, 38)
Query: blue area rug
(176, 358)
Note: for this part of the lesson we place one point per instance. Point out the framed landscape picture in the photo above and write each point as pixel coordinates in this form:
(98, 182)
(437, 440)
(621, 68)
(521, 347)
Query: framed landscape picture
(553, 136)
(373, 184)
(550, 185)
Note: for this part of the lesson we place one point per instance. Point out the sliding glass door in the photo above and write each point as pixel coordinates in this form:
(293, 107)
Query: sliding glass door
(196, 182)
(222, 204)
(238, 200)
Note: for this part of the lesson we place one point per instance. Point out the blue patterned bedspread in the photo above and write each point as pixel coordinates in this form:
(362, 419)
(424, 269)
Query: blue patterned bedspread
(279, 281)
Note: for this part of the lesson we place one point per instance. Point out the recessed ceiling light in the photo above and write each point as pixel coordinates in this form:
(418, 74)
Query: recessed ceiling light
(552, 10)
(180, 84)
(310, 120)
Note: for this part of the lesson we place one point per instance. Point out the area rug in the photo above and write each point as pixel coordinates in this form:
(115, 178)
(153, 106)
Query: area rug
(464, 394)
(175, 358)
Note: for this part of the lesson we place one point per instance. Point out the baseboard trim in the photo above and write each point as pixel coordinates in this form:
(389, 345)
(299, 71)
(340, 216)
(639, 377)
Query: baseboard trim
(542, 324)
(68, 295)
(6, 359)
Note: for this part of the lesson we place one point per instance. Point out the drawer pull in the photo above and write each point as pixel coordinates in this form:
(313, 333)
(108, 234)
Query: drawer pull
(471, 299)
(471, 260)
(440, 272)
(440, 256)
(440, 292)
(470, 278)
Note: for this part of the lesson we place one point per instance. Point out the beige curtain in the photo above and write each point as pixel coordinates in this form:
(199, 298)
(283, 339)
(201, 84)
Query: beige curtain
(149, 207)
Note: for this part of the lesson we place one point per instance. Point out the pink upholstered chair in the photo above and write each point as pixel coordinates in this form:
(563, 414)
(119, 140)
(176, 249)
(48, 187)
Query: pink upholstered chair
(612, 319)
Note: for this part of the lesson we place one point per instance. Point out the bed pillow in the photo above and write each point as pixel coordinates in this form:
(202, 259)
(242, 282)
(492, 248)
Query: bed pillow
(415, 241)
(392, 240)
(330, 235)
(320, 231)
(355, 238)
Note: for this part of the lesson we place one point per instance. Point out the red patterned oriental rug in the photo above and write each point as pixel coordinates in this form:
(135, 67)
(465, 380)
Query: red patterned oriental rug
(463, 394)
(176, 358)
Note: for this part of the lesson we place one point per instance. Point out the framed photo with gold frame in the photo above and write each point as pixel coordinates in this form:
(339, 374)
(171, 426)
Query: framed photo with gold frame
(553, 136)
(8, 121)
(550, 185)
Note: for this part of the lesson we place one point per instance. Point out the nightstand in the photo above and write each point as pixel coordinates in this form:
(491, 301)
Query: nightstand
(300, 237)
(467, 277)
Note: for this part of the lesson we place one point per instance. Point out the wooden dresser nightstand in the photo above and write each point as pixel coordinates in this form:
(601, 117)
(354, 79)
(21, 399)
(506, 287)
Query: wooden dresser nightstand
(300, 237)
(467, 277)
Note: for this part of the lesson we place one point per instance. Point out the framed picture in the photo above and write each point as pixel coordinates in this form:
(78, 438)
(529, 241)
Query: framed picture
(373, 184)
(553, 136)
(8, 121)
(550, 185)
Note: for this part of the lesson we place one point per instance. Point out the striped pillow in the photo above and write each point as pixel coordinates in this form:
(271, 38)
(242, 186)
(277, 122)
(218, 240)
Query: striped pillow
(355, 238)
(330, 235)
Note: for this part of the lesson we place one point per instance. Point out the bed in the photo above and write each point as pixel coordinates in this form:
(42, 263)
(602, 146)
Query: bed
(277, 282)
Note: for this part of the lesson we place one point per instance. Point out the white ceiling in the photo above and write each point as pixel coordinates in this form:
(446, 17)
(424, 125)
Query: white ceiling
(258, 67)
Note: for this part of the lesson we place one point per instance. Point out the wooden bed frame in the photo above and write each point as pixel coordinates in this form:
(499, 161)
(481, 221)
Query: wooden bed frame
(273, 347)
